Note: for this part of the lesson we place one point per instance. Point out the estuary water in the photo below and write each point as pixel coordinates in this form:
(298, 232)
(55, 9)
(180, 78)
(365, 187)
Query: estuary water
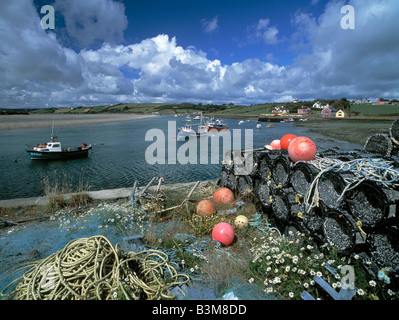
(118, 157)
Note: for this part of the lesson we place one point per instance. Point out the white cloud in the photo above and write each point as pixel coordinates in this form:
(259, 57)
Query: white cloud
(210, 25)
(262, 31)
(91, 20)
(37, 70)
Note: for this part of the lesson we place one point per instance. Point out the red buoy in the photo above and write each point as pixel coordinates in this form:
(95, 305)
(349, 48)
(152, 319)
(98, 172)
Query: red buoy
(223, 195)
(224, 233)
(205, 208)
(285, 140)
(275, 144)
(302, 148)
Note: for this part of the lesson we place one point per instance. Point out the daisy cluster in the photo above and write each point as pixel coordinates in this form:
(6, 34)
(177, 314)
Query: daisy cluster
(288, 267)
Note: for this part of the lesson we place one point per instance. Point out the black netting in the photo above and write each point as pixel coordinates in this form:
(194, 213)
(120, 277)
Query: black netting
(281, 171)
(338, 231)
(224, 178)
(244, 185)
(263, 192)
(313, 220)
(369, 204)
(394, 130)
(281, 207)
(302, 175)
(384, 248)
(379, 143)
(331, 186)
(232, 181)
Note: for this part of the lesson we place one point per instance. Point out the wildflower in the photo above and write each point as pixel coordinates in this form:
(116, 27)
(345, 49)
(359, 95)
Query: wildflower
(287, 268)
(192, 269)
(291, 294)
(312, 272)
(268, 269)
(319, 274)
(360, 292)
(356, 256)
(306, 285)
(372, 283)
(251, 280)
(390, 292)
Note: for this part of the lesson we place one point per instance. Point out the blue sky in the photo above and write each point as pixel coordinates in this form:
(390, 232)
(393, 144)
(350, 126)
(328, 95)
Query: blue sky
(109, 51)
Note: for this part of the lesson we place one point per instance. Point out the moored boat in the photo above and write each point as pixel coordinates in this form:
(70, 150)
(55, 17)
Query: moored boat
(52, 150)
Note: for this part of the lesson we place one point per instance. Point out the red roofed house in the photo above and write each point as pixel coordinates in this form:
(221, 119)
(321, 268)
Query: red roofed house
(381, 101)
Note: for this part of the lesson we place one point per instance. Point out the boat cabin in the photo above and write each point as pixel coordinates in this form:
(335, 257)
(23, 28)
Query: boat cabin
(49, 146)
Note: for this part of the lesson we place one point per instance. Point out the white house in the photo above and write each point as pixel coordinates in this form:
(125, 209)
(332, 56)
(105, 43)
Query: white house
(318, 105)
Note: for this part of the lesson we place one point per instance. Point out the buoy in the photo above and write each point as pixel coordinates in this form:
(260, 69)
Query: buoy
(205, 208)
(302, 148)
(241, 222)
(286, 140)
(276, 144)
(223, 195)
(224, 233)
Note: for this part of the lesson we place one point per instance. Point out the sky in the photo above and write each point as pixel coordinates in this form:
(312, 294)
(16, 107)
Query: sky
(238, 51)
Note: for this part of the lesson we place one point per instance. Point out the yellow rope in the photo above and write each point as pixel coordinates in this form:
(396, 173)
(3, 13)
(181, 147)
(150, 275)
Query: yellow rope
(91, 268)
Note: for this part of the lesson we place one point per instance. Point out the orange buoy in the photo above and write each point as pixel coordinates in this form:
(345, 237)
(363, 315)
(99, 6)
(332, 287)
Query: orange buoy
(275, 144)
(285, 140)
(205, 208)
(302, 148)
(224, 233)
(223, 195)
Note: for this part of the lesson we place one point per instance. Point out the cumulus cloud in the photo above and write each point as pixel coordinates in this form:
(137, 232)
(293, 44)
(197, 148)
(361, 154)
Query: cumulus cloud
(37, 70)
(210, 25)
(262, 31)
(93, 20)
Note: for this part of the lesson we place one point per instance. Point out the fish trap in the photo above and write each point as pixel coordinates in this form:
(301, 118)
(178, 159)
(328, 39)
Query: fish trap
(302, 176)
(281, 170)
(379, 143)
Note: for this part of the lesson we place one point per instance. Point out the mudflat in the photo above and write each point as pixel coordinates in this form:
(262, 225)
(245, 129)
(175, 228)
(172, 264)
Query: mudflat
(26, 121)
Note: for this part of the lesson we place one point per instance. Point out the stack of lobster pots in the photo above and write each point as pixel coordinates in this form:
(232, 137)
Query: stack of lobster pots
(363, 220)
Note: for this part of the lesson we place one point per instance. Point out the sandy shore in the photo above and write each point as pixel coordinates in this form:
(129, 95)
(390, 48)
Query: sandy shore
(11, 122)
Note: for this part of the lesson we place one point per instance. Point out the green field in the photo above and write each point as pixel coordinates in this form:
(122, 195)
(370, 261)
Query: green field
(373, 110)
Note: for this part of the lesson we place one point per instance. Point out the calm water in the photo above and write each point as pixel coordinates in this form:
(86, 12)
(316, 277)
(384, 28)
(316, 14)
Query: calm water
(118, 156)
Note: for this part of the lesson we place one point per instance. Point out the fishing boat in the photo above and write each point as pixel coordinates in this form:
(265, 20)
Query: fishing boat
(188, 130)
(52, 150)
(241, 122)
(217, 124)
(270, 125)
(258, 126)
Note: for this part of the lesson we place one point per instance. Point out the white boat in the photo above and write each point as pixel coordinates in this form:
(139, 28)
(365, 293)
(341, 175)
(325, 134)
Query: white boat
(258, 126)
(188, 130)
(241, 122)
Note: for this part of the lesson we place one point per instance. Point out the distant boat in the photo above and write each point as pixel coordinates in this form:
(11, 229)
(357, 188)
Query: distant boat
(289, 120)
(217, 125)
(258, 126)
(241, 122)
(270, 125)
(187, 130)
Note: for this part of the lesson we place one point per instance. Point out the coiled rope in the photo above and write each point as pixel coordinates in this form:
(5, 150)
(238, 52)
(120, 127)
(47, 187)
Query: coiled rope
(378, 170)
(91, 268)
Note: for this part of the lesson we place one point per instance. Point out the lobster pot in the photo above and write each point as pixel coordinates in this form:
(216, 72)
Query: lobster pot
(264, 168)
(338, 230)
(224, 178)
(313, 220)
(293, 232)
(369, 203)
(331, 186)
(263, 192)
(379, 143)
(245, 185)
(394, 131)
(244, 163)
(384, 248)
(284, 205)
(232, 181)
(302, 176)
(281, 169)
(228, 160)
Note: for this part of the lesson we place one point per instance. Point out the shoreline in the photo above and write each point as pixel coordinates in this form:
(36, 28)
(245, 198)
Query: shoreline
(31, 121)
